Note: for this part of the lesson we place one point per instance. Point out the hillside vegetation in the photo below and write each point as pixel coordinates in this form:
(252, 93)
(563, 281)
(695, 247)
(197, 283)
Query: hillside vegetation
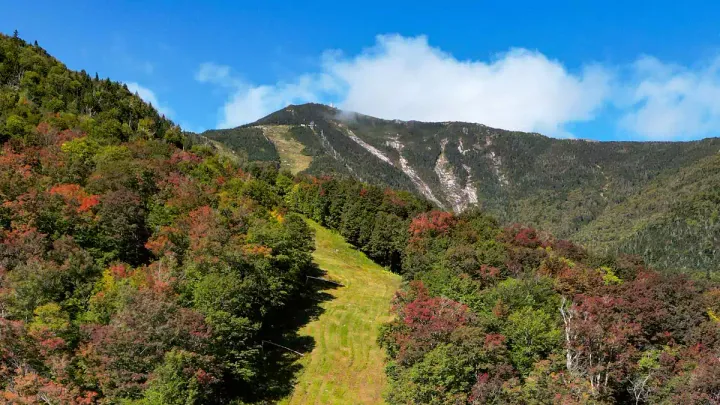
(513, 315)
(615, 196)
(134, 266)
(140, 264)
(347, 365)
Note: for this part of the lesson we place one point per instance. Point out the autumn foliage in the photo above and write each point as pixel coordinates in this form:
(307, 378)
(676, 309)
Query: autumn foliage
(512, 315)
(139, 267)
(433, 223)
(135, 267)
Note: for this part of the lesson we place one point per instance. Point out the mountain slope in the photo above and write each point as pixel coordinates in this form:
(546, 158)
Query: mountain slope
(578, 189)
(135, 266)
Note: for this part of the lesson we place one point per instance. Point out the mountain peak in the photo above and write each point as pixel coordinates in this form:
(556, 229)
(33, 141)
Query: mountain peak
(296, 114)
(575, 188)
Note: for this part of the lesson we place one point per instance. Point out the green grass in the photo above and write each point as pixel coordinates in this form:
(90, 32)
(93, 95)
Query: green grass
(346, 365)
(290, 150)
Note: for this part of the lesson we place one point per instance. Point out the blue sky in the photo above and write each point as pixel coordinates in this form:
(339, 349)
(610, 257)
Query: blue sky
(613, 70)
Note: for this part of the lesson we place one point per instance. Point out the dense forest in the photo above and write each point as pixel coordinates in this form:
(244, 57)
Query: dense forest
(133, 265)
(143, 265)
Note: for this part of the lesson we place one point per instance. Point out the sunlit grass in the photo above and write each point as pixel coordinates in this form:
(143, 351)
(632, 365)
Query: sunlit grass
(346, 366)
(290, 150)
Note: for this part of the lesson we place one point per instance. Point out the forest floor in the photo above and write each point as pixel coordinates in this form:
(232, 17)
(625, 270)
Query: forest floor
(346, 365)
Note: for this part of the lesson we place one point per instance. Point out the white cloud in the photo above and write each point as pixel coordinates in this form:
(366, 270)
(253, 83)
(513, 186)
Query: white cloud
(187, 126)
(210, 72)
(669, 102)
(249, 102)
(406, 78)
(149, 97)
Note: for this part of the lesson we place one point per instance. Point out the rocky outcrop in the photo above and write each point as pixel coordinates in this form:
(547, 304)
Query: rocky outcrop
(457, 196)
(420, 185)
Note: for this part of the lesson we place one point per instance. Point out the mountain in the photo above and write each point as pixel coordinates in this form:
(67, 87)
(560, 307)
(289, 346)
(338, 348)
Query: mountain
(143, 265)
(657, 199)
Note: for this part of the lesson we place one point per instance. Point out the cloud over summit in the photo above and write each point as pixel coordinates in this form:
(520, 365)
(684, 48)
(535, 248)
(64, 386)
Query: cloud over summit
(407, 78)
(673, 102)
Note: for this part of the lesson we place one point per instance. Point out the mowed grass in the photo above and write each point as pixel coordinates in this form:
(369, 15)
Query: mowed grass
(290, 150)
(346, 365)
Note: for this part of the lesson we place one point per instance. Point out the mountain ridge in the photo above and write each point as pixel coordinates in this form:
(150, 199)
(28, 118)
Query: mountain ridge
(567, 186)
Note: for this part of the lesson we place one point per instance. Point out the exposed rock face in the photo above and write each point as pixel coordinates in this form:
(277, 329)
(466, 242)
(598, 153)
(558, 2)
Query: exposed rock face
(369, 148)
(457, 196)
(454, 194)
(420, 185)
(496, 166)
(470, 191)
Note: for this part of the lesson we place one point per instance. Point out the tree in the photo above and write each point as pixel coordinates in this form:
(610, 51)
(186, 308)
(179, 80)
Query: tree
(532, 336)
(599, 342)
(184, 378)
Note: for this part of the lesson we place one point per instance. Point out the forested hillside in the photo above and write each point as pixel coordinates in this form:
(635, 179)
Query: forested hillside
(133, 267)
(140, 264)
(649, 198)
(512, 315)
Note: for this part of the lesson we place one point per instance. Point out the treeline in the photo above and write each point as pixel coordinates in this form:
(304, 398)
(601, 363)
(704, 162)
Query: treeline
(131, 270)
(35, 87)
(374, 219)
